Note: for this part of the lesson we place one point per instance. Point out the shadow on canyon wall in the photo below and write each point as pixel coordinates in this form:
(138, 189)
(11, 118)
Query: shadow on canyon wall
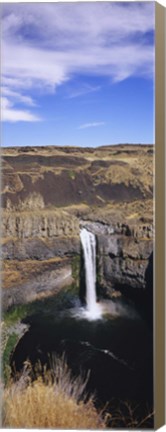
(143, 298)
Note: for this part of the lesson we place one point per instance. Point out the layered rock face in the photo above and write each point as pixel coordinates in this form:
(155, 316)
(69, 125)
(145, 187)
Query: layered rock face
(123, 255)
(49, 192)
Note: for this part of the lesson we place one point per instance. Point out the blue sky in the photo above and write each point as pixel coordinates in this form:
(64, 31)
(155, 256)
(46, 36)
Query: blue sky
(77, 73)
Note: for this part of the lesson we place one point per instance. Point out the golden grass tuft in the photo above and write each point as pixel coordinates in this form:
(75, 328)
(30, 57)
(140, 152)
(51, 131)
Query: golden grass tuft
(39, 406)
(50, 402)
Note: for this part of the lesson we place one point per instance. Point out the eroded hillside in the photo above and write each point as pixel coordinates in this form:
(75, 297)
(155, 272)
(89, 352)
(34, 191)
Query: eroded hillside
(47, 192)
(60, 177)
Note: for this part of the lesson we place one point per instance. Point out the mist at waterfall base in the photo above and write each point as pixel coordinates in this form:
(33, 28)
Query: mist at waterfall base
(107, 340)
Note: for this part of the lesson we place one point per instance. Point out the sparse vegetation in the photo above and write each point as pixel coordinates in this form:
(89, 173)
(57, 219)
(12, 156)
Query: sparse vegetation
(55, 399)
(127, 415)
(52, 400)
(15, 314)
(11, 342)
(11, 324)
(72, 174)
(15, 272)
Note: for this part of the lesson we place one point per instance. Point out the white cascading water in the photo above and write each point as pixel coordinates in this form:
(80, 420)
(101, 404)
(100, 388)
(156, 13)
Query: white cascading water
(88, 242)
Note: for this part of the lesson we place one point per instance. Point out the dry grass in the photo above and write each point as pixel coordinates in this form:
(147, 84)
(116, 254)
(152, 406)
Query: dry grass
(52, 400)
(135, 172)
(16, 272)
(127, 416)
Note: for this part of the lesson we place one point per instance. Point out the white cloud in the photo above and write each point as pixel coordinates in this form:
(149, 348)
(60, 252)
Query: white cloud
(10, 114)
(5, 91)
(89, 125)
(82, 90)
(44, 45)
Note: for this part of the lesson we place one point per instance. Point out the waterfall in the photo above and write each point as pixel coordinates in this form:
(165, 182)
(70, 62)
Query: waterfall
(88, 242)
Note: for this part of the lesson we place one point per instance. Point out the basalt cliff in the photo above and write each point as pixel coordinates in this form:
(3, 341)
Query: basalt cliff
(48, 193)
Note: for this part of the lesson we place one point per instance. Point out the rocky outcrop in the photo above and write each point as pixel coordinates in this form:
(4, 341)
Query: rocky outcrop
(38, 249)
(123, 252)
(49, 193)
(22, 225)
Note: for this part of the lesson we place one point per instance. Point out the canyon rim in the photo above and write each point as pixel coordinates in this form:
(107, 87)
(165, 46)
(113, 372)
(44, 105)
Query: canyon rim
(50, 195)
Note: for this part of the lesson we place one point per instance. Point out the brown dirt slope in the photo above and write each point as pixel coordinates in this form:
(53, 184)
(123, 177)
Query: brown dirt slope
(60, 177)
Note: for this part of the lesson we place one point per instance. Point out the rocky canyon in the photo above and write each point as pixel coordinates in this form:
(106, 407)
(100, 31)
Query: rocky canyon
(48, 193)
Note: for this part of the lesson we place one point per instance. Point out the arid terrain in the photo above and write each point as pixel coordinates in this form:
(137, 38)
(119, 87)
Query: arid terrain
(49, 192)
(49, 177)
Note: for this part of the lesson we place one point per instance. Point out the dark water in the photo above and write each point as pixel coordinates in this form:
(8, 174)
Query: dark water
(117, 350)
